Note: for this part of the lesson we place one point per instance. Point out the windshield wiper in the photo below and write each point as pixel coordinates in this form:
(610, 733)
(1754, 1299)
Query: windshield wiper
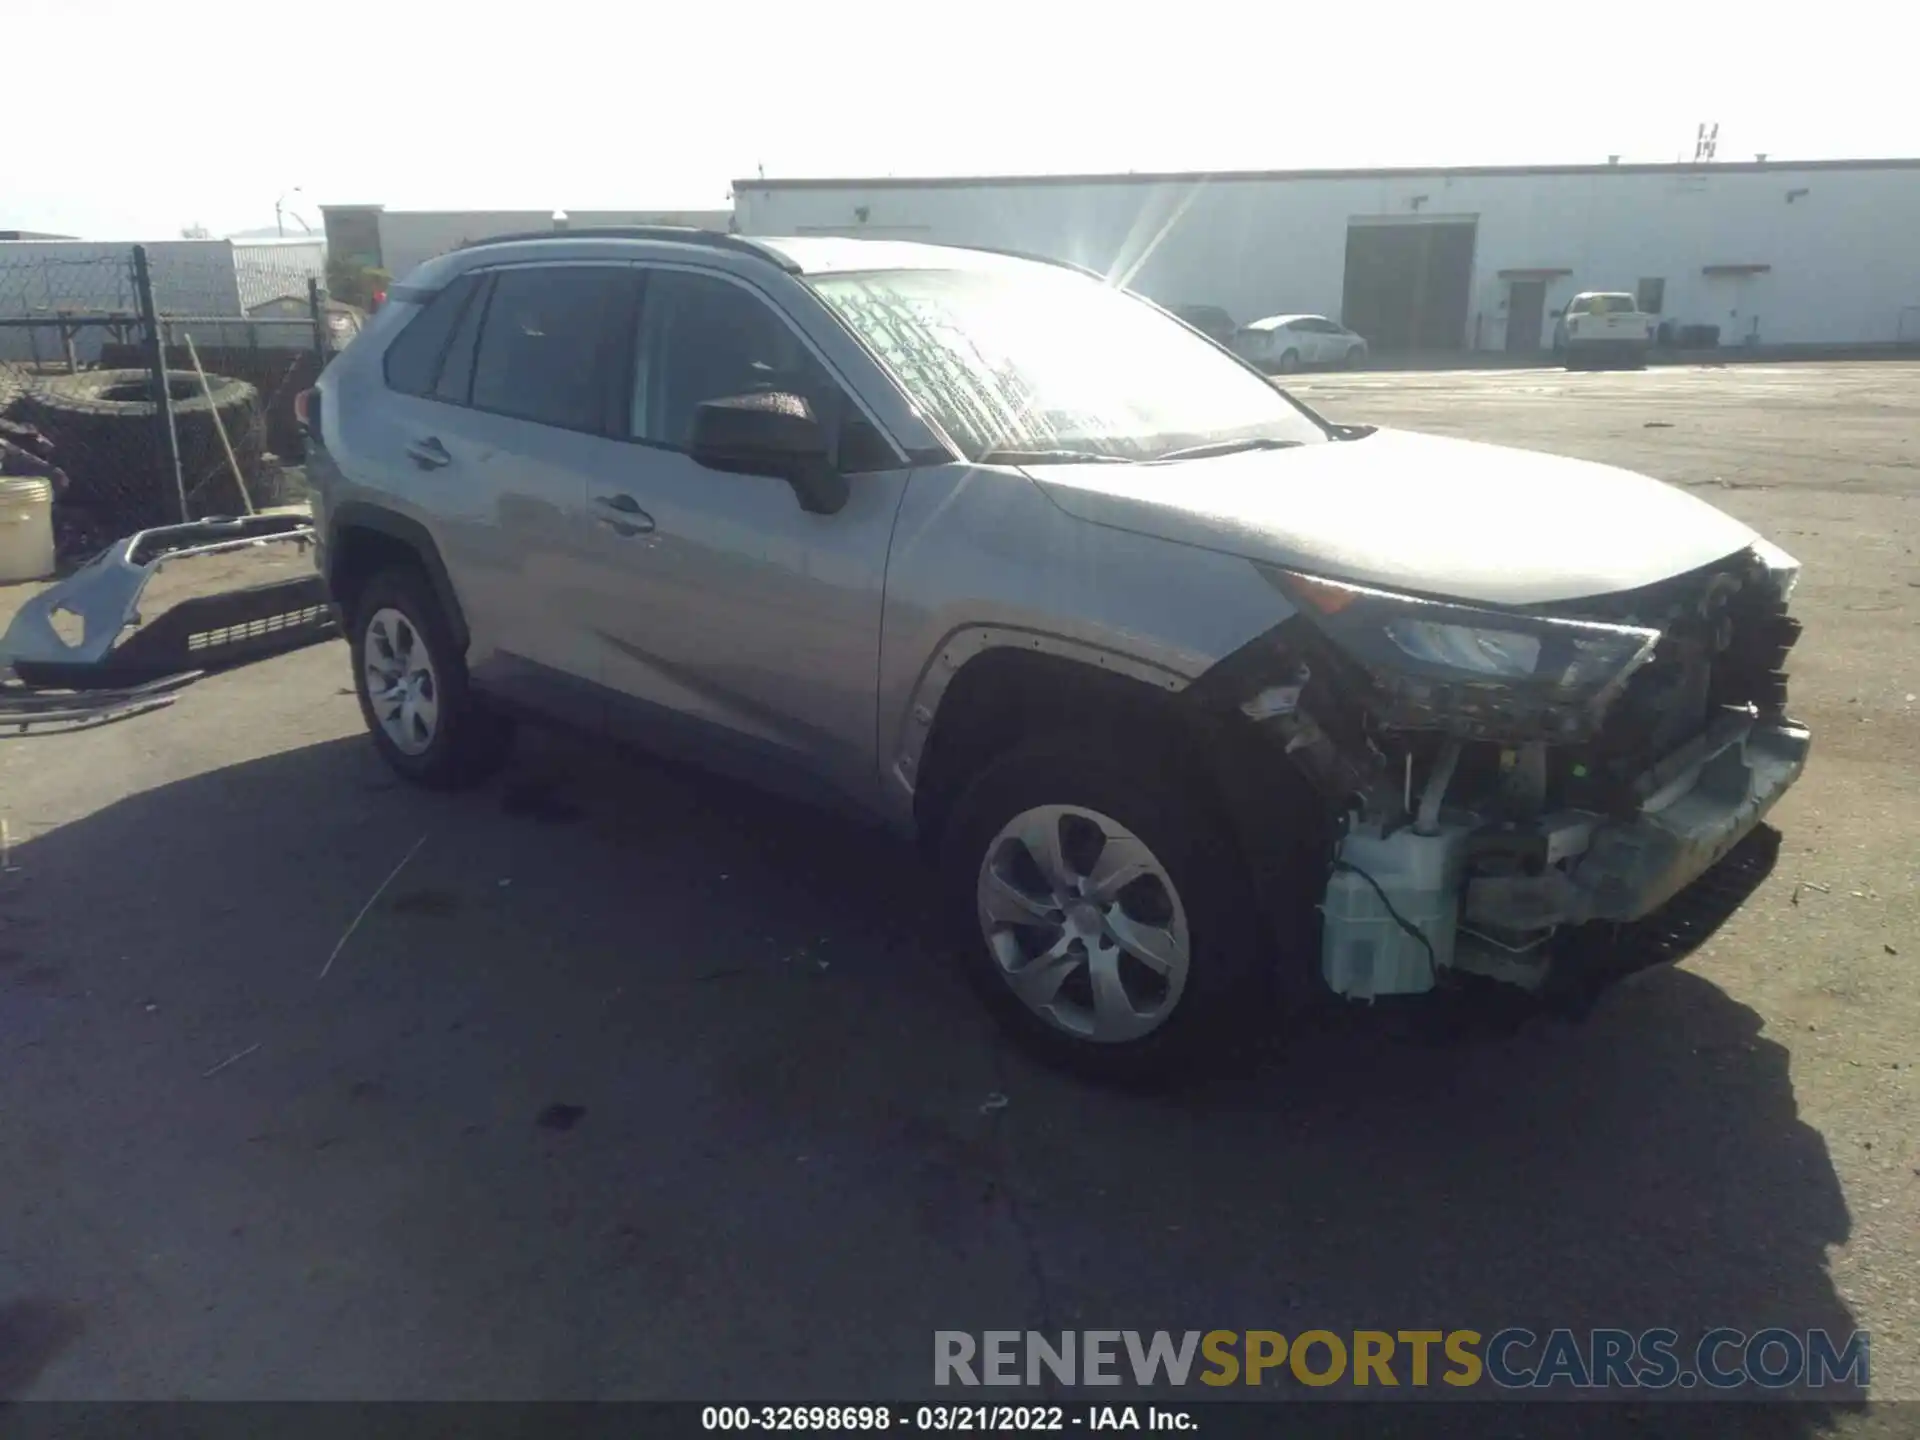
(1226, 447)
(1050, 457)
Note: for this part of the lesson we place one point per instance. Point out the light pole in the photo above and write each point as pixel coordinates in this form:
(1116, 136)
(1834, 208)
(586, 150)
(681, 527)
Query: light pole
(279, 224)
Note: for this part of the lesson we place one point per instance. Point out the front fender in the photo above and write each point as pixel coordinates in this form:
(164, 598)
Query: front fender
(982, 559)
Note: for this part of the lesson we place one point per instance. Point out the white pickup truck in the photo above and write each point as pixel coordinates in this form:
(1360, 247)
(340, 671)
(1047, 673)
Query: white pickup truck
(1603, 327)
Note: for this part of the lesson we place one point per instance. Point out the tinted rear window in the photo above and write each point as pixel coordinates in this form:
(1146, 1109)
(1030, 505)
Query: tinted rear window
(549, 342)
(456, 369)
(413, 360)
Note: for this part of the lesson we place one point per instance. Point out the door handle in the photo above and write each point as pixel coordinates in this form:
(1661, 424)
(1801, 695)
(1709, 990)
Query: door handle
(429, 453)
(627, 518)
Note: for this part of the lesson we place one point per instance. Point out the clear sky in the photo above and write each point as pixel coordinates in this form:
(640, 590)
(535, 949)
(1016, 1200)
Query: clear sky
(131, 120)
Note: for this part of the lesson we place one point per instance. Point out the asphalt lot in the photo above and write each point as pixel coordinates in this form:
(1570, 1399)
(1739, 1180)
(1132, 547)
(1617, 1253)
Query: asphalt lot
(637, 1085)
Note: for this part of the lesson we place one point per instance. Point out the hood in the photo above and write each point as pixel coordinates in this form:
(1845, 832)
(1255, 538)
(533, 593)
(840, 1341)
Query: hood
(1447, 518)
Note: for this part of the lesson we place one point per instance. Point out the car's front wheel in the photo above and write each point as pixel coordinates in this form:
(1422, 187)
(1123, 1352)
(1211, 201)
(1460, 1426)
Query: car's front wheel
(1356, 357)
(411, 680)
(1113, 929)
(1289, 362)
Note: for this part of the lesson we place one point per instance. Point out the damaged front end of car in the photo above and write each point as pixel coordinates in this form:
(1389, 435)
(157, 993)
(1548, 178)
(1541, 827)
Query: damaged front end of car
(1502, 781)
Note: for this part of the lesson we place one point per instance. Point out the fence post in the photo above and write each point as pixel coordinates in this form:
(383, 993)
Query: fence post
(318, 314)
(168, 439)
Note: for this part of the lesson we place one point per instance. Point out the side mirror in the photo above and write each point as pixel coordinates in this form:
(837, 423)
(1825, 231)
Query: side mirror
(771, 434)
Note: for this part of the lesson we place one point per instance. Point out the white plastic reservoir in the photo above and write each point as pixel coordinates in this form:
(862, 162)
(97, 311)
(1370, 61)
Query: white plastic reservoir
(26, 528)
(1364, 951)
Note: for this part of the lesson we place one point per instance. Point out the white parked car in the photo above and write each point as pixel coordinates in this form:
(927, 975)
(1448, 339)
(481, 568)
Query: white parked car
(1287, 342)
(1602, 327)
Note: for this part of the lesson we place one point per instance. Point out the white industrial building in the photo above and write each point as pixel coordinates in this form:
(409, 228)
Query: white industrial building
(1478, 258)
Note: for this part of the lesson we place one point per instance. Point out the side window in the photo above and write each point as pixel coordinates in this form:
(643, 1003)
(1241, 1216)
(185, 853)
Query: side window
(1581, 307)
(551, 342)
(412, 361)
(455, 384)
(703, 338)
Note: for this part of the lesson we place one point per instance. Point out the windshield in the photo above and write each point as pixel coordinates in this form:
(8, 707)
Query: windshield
(1049, 364)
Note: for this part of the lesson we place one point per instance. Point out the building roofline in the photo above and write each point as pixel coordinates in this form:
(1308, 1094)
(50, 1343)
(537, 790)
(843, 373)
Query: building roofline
(1416, 172)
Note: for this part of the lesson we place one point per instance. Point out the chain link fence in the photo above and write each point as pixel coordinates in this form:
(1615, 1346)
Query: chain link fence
(156, 383)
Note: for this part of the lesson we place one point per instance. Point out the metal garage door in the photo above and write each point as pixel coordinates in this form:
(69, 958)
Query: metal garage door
(1407, 284)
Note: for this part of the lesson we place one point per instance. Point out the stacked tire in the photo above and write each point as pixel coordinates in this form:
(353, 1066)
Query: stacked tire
(12, 390)
(103, 428)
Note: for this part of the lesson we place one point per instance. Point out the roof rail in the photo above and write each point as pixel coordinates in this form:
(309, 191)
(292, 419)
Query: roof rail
(1036, 257)
(681, 234)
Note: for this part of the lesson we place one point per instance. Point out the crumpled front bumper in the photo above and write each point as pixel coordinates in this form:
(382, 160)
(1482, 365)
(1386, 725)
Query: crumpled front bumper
(1695, 806)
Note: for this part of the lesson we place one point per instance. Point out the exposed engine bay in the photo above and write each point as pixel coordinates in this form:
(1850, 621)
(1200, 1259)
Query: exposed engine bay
(1500, 777)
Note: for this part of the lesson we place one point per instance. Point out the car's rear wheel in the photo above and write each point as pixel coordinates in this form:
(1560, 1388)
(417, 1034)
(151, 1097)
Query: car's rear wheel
(1113, 928)
(1289, 362)
(411, 680)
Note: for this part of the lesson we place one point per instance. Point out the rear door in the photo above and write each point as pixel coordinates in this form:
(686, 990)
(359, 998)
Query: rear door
(529, 392)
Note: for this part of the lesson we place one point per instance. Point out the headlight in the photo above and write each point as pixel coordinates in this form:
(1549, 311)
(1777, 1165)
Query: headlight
(1465, 647)
(1439, 665)
(1782, 567)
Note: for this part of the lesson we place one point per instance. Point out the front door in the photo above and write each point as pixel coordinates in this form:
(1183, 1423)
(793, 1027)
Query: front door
(1526, 312)
(736, 625)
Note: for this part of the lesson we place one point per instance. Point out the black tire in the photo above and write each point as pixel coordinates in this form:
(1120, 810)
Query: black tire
(101, 423)
(13, 389)
(1289, 362)
(1167, 811)
(470, 741)
(1356, 357)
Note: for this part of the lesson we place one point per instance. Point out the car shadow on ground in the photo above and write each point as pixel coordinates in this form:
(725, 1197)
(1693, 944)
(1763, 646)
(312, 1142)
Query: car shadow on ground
(634, 1083)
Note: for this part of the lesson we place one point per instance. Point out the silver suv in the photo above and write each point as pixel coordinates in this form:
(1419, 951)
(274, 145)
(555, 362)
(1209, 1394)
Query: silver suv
(1195, 695)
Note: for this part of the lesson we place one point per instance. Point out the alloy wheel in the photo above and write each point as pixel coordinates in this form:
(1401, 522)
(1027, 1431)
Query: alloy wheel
(401, 684)
(1084, 923)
